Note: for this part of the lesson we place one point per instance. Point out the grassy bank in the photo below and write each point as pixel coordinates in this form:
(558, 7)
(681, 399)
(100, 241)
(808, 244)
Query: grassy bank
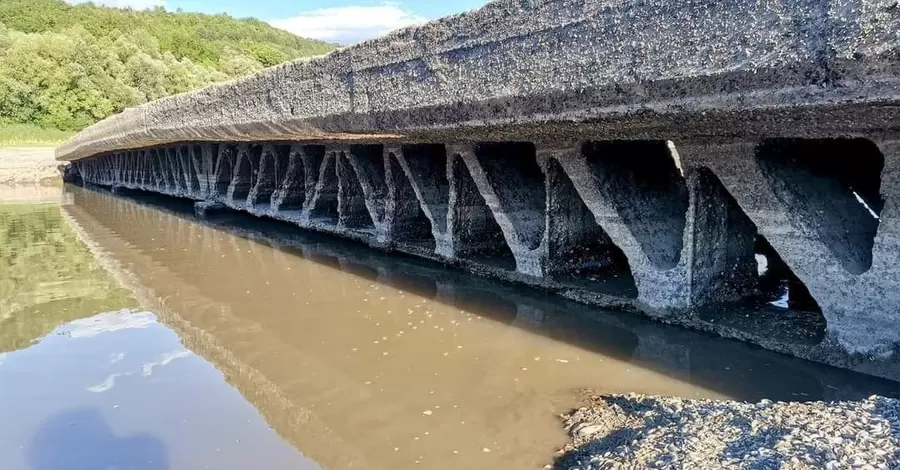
(28, 135)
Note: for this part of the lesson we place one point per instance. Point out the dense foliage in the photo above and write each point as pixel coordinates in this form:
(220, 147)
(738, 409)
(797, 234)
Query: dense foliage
(66, 66)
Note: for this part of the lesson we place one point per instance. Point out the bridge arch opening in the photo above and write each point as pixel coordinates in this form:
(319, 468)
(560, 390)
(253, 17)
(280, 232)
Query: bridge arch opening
(324, 205)
(410, 226)
(352, 209)
(271, 165)
(832, 191)
(476, 234)
(293, 191)
(187, 161)
(244, 174)
(426, 169)
(516, 179)
(778, 285)
(580, 252)
(642, 181)
(225, 158)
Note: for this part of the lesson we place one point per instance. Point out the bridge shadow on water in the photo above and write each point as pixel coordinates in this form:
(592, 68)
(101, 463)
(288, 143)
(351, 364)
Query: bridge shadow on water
(729, 367)
(81, 439)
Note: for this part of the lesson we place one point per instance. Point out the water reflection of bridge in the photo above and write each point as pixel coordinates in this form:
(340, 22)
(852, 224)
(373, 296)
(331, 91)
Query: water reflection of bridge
(270, 348)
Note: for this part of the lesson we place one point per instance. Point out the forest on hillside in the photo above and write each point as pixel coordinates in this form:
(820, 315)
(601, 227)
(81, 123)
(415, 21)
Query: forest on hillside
(67, 66)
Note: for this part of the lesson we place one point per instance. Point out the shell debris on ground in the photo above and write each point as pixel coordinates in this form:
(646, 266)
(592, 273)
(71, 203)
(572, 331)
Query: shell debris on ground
(635, 431)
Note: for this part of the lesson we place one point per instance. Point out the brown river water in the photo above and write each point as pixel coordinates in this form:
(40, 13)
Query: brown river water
(134, 335)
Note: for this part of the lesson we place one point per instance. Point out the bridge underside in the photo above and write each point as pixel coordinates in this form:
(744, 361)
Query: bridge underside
(678, 230)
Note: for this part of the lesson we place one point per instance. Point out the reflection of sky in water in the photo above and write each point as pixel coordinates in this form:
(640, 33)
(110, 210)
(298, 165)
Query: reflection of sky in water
(118, 390)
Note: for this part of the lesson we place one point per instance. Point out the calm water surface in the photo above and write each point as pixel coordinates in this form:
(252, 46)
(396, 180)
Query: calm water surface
(133, 335)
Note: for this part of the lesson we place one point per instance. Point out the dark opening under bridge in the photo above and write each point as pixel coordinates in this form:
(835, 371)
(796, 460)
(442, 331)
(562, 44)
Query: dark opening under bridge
(645, 155)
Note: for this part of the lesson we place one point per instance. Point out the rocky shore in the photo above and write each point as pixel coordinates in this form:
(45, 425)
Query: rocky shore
(634, 431)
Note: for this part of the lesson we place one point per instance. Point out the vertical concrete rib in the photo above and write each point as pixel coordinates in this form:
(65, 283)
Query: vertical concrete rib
(270, 171)
(722, 253)
(353, 212)
(578, 248)
(475, 233)
(426, 166)
(405, 220)
(224, 165)
(166, 165)
(783, 196)
(178, 170)
(367, 164)
(244, 177)
(323, 205)
(511, 181)
(191, 181)
(292, 193)
(200, 156)
(641, 199)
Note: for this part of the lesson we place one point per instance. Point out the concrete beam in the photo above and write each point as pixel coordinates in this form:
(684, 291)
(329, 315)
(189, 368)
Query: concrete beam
(590, 70)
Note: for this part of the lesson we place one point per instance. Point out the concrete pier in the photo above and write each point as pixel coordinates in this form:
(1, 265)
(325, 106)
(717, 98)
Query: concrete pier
(674, 158)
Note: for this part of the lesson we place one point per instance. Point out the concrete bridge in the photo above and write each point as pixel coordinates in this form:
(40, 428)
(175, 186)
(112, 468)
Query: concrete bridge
(644, 155)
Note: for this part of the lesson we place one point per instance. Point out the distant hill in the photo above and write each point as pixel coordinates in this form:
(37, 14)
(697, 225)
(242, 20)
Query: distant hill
(66, 66)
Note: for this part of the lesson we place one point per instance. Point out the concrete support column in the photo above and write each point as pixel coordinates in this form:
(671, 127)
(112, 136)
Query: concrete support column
(119, 163)
(175, 172)
(423, 169)
(189, 175)
(362, 189)
(244, 176)
(181, 182)
(323, 204)
(511, 179)
(223, 171)
(685, 243)
(166, 166)
(829, 208)
(127, 172)
(140, 166)
(476, 235)
(271, 170)
(202, 157)
(292, 193)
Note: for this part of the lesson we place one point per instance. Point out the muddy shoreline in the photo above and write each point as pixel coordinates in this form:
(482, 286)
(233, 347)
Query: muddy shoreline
(29, 166)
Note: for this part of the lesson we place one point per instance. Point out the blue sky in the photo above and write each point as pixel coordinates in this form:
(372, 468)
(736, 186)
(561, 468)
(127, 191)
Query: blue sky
(342, 21)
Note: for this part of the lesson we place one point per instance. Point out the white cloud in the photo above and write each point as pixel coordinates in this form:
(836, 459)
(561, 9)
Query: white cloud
(135, 4)
(106, 322)
(166, 358)
(107, 384)
(350, 24)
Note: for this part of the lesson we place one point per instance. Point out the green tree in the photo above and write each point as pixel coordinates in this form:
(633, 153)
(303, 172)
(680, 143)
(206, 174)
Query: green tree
(67, 66)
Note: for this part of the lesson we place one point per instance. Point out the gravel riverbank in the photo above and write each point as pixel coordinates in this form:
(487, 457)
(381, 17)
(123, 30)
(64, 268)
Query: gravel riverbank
(633, 431)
